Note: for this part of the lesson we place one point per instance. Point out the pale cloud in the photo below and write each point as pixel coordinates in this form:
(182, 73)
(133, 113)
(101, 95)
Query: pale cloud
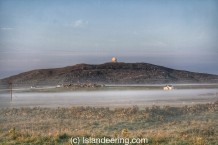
(6, 28)
(80, 23)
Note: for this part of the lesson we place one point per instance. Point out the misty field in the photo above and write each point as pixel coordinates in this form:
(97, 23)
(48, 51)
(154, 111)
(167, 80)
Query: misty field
(112, 97)
(186, 125)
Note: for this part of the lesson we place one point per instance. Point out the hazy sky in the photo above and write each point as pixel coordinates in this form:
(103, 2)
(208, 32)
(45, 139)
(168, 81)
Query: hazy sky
(181, 34)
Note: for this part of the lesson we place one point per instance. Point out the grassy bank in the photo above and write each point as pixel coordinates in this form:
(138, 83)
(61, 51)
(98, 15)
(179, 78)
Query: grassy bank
(194, 125)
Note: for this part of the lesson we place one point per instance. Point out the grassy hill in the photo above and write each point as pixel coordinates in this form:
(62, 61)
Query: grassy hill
(108, 73)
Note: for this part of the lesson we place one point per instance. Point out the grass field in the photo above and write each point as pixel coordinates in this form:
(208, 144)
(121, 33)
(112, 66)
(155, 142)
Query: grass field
(188, 125)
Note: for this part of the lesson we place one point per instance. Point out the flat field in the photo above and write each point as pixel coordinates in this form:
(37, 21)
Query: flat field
(187, 115)
(188, 125)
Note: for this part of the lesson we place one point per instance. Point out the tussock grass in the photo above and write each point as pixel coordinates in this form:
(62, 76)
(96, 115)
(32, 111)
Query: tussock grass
(194, 125)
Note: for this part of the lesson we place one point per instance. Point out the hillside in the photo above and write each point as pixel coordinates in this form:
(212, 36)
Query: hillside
(108, 73)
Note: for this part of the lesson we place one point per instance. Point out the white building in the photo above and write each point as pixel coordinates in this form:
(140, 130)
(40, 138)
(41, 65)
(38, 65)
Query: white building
(114, 59)
(168, 87)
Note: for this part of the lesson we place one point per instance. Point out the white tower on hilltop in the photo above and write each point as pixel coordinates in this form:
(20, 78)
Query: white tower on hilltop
(114, 59)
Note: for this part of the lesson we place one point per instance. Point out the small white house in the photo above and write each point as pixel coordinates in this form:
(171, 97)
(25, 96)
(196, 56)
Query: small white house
(168, 87)
(58, 86)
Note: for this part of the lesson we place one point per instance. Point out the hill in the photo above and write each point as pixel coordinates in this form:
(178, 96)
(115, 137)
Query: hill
(108, 73)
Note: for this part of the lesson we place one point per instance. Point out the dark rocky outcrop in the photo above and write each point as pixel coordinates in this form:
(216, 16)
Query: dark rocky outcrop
(78, 86)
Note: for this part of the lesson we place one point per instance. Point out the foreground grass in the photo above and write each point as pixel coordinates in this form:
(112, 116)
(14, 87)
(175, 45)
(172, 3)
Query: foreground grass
(188, 125)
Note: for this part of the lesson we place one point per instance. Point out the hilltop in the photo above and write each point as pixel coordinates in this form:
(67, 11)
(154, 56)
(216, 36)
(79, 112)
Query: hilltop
(109, 73)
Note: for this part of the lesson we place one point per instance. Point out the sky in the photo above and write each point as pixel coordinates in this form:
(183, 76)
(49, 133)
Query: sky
(180, 34)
